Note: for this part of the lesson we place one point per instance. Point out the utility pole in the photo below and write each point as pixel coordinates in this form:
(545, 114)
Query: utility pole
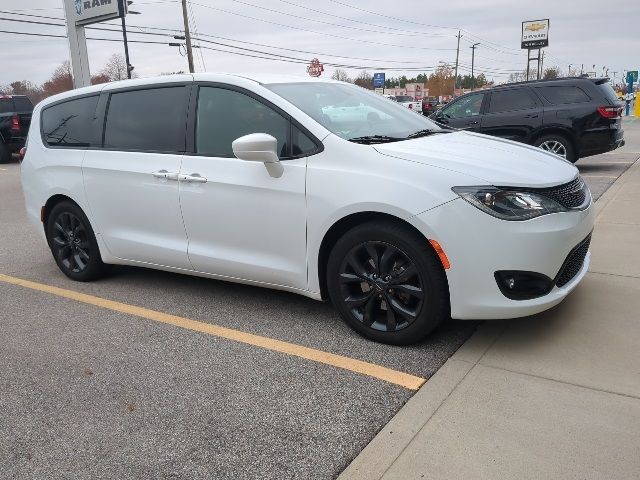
(473, 57)
(455, 79)
(187, 36)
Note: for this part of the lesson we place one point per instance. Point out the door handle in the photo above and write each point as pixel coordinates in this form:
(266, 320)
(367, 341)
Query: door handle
(534, 115)
(473, 123)
(193, 178)
(165, 174)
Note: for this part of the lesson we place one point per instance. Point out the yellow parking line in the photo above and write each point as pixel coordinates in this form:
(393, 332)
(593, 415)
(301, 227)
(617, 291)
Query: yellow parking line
(376, 371)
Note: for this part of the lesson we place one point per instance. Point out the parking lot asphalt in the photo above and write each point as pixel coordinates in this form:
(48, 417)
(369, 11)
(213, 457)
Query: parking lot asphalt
(88, 391)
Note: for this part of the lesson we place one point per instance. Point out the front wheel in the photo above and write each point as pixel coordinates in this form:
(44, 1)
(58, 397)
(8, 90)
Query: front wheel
(387, 283)
(73, 243)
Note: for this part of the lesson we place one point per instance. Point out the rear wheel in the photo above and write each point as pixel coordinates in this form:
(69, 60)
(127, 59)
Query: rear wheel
(558, 145)
(73, 243)
(387, 283)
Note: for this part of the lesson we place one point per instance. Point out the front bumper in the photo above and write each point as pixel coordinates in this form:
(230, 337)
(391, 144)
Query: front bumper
(478, 245)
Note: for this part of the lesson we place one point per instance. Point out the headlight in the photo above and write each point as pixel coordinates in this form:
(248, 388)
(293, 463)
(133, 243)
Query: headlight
(509, 204)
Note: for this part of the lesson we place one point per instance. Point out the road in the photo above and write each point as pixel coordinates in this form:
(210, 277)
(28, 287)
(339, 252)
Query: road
(94, 388)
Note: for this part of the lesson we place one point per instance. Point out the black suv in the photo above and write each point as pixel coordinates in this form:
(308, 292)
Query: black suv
(572, 117)
(15, 118)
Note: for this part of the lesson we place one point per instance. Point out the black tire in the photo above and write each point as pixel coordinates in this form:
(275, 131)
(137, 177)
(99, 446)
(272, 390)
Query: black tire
(73, 243)
(5, 153)
(546, 142)
(418, 296)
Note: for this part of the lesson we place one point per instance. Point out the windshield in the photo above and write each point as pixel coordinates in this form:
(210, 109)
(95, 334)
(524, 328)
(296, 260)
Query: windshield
(352, 112)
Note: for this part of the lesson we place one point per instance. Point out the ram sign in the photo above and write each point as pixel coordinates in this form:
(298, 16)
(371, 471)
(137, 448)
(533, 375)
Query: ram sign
(93, 11)
(535, 34)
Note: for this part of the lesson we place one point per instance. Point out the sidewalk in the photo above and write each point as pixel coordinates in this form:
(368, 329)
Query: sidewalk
(552, 396)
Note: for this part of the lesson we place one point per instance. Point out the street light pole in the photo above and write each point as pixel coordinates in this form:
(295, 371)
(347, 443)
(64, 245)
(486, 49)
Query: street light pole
(187, 36)
(124, 37)
(473, 57)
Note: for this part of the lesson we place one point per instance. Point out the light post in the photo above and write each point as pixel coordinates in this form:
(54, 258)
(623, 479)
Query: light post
(124, 37)
(473, 57)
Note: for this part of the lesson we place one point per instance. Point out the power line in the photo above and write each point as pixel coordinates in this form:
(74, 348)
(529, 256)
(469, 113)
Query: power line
(361, 21)
(369, 42)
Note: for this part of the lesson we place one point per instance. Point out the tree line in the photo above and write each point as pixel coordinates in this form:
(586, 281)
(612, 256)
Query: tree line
(440, 82)
(61, 80)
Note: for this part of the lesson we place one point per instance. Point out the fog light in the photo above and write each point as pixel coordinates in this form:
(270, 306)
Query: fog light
(521, 285)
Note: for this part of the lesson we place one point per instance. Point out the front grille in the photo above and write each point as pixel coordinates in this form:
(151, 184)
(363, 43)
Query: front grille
(570, 195)
(573, 263)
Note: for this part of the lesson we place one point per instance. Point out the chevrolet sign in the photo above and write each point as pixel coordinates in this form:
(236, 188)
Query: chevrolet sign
(535, 34)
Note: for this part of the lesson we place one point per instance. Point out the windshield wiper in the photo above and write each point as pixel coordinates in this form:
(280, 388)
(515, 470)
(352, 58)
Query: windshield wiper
(426, 132)
(369, 139)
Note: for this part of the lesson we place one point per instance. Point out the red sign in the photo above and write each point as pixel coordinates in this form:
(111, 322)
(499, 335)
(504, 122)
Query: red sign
(315, 68)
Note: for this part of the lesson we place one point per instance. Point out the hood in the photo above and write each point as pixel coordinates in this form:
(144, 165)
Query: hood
(493, 161)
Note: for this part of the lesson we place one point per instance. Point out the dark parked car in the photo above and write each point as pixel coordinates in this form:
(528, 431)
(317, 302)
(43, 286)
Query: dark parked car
(15, 118)
(572, 117)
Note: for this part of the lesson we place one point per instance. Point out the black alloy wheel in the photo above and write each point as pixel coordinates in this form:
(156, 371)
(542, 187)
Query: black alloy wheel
(381, 286)
(73, 243)
(70, 242)
(387, 283)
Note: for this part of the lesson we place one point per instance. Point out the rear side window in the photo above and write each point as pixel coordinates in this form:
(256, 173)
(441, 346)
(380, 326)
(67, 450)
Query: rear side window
(70, 123)
(510, 100)
(6, 105)
(148, 120)
(23, 104)
(563, 94)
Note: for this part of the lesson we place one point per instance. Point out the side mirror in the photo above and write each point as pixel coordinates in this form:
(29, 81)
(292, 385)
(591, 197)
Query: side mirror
(256, 147)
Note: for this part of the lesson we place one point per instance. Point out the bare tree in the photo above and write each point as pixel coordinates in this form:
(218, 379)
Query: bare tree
(518, 76)
(551, 73)
(116, 68)
(342, 75)
(364, 79)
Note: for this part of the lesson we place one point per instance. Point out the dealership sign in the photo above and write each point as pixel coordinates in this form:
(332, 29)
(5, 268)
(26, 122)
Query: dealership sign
(535, 34)
(315, 68)
(93, 11)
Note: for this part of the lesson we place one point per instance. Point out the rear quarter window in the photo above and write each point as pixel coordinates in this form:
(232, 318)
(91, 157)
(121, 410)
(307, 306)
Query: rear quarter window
(608, 92)
(560, 95)
(69, 124)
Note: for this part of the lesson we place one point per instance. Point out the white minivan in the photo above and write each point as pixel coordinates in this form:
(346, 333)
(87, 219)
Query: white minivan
(400, 223)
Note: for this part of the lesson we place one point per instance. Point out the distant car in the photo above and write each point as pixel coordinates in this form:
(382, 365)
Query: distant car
(571, 117)
(409, 102)
(429, 105)
(15, 118)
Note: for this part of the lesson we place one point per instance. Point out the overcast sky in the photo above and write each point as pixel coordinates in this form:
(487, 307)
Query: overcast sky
(582, 32)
